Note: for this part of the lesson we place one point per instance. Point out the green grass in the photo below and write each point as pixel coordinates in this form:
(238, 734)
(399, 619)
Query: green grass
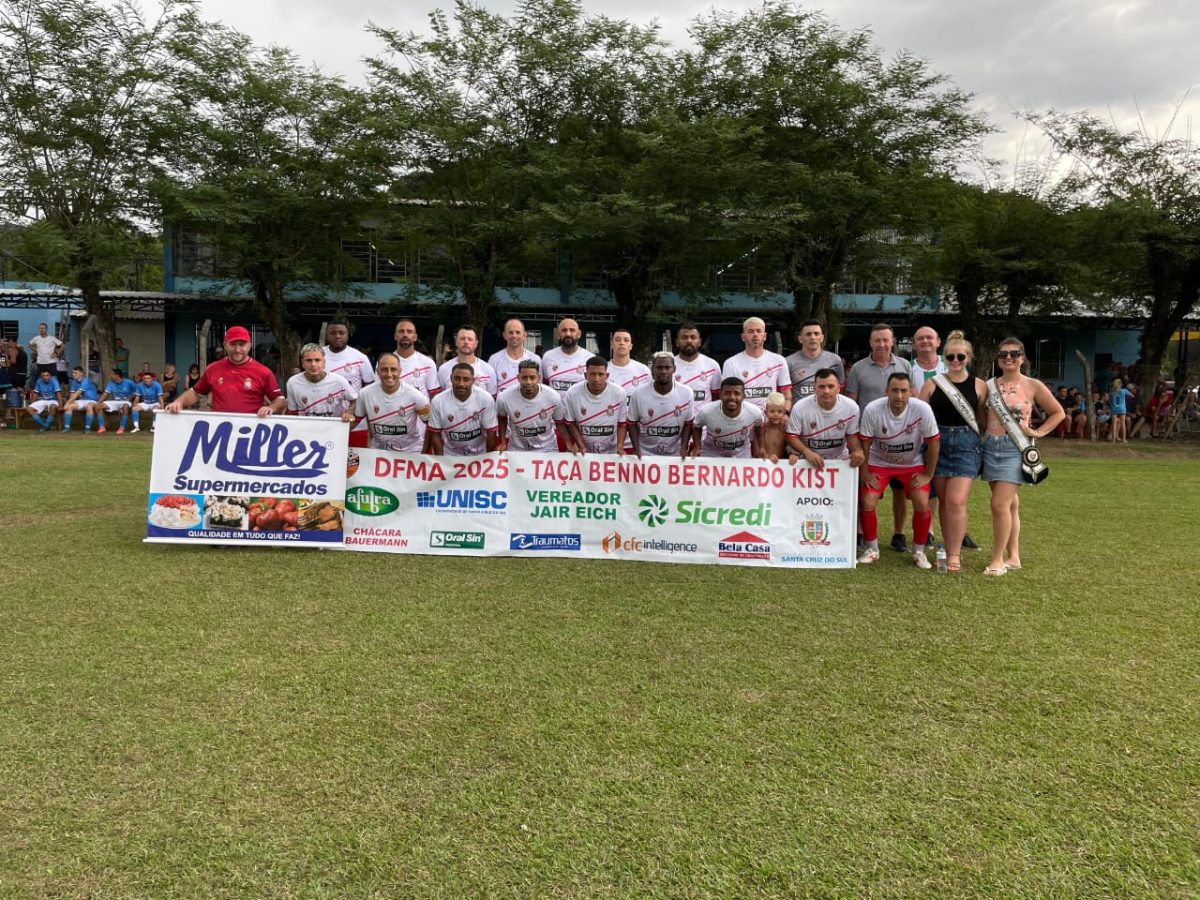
(265, 722)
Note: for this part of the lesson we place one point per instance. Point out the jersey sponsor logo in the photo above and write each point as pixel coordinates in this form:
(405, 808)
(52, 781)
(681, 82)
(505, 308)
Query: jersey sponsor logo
(598, 430)
(663, 431)
(456, 500)
(256, 450)
(463, 436)
(392, 428)
(458, 540)
(524, 540)
(744, 545)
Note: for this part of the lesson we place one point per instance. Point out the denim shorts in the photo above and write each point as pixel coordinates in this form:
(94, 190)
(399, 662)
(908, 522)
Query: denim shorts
(959, 453)
(1001, 460)
(12, 398)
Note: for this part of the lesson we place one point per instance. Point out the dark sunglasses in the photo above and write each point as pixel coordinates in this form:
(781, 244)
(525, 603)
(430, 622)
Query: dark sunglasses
(1009, 354)
(956, 357)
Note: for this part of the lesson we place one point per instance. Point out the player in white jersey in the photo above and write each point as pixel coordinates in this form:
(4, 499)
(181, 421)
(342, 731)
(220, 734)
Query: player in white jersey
(529, 413)
(761, 371)
(342, 359)
(565, 365)
(462, 421)
(394, 412)
(505, 362)
(812, 356)
(626, 373)
(416, 369)
(593, 411)
(660, 413)
(902, 446)
(465, 343)
(693, 369)
(315, 391)
(824, 425)
(729, 425)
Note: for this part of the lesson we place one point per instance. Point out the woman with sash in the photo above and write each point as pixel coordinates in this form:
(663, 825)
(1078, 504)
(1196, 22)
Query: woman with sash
(1006, 446)
(958, 399)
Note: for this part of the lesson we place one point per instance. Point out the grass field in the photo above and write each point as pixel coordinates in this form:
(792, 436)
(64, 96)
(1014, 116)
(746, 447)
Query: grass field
(228, 722)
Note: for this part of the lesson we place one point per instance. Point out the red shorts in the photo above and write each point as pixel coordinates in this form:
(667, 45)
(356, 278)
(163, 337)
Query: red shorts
(903, 476)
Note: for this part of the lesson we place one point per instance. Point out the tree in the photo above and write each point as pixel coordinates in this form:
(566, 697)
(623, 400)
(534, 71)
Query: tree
(851, 140)
(81, 129)
(272, 165)
(1143, 193)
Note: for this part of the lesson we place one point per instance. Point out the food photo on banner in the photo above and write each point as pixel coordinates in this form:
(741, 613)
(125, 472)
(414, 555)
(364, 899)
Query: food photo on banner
(599, 506)
(232, 478)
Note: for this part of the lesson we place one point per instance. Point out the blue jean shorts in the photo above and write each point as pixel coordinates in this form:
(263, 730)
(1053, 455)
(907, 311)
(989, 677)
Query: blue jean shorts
(959, 453)
(12, 398)
(1001, 460)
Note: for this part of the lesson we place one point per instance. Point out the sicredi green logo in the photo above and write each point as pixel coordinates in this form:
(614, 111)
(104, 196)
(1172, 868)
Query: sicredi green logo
(457, 540)
(655, 511)
(371, 501)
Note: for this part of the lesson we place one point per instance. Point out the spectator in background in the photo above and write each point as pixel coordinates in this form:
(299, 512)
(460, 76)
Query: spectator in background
(193, 375)
(147, 397)
(122, 358)
(169, 382)
(6, 384)
(117, 398)
(1119, 400)
(18, 373)
(46, 350)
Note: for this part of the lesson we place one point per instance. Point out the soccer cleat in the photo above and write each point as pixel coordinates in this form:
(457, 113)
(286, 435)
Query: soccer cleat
(921, 560)
(101, 430)
(135, 429)
(64, 429)
(868, 556)
(120, 431)
(969, 544)
(899, 544)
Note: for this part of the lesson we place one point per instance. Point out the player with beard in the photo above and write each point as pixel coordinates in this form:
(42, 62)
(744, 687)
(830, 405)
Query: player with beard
(566, 364)
(760, 371)
(466, 341)
(660, 413)
(729, 425)
(416, 369)
(506, 362)
(693, 369)
(811, 358)
(462, 420)
(237, 382)
(529, 413)
(594, 410)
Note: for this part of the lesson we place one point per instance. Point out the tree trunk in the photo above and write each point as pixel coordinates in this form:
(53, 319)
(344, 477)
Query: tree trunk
(106, 321)
(637, 306)
(1091, 406)
(272, 305)
(1173, 300)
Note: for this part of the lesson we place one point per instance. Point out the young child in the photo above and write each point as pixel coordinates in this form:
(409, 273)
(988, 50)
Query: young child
(774, 431)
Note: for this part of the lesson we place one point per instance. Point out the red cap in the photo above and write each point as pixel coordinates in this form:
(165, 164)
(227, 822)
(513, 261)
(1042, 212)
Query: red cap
(237, 333)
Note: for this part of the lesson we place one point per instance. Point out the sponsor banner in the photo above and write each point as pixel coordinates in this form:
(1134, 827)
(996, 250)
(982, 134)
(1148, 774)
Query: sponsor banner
(723, 511)
(230, 478)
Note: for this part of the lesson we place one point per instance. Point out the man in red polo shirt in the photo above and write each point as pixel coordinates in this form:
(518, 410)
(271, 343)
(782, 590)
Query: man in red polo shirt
(237, 383)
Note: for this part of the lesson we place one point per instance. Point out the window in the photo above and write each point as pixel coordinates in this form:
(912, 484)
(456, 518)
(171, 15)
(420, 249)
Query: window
(9, 330)
(1048, 359)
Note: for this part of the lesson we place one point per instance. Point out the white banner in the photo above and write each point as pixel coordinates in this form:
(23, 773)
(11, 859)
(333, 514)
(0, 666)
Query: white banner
(231, 478)
(726, 511)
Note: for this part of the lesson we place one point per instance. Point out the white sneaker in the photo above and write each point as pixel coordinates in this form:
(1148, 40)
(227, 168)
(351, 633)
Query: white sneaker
(868, 556)
(135, 429)
(922, 560)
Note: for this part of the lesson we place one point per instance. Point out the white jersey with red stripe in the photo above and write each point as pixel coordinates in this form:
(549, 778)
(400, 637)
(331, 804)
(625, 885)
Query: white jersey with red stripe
(596, 415)
(630, 376)
(331, 396)
(351, 364)
(660, 417)
(463, 424)
(529, 424)
(824, 431)
(562, 370)
(395, 421)
(506, 367)
(897, 442)
(724, 436)
(761, 374)
(485, 375)
(702, 375)
(419, 372)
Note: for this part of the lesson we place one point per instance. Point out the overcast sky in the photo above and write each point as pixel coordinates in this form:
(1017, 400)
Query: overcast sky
(1117, 59)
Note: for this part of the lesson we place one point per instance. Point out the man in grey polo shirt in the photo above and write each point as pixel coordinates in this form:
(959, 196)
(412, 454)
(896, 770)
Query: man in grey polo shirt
(868, 381)
(811, 358)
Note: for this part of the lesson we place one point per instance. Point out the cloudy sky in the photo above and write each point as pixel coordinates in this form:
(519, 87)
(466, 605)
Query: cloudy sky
(1125, 60)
